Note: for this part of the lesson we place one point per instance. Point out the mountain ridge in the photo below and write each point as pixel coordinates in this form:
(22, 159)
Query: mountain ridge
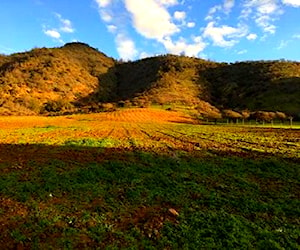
(75, 76)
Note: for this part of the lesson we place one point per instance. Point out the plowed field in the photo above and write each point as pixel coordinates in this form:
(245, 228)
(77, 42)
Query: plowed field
(137, 178)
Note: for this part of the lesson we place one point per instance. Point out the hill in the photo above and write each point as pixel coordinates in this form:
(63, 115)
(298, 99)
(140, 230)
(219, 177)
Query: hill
(77, 77)
(51, 79)
(257, 85)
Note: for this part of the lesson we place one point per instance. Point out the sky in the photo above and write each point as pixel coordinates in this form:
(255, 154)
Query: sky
(217, 30)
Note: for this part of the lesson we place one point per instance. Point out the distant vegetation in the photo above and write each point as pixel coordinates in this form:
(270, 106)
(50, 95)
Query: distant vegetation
(79, 78)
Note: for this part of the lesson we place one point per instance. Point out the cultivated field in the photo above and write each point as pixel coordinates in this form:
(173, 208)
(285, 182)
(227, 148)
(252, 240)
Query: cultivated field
(147, 178)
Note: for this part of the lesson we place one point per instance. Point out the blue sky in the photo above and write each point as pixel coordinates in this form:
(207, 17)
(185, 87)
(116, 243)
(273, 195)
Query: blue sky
(219, 30)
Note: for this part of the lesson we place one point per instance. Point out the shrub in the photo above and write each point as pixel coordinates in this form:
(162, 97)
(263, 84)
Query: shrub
(57, 106)
(108, 107)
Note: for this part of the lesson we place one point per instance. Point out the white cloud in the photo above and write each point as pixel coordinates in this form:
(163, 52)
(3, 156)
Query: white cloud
(224, 36)
(225, 8)
(106, 17)
(297, 36)
(265, 22)
(228, 5)
(144, 55)
(104, 10)
(126, 47)
(251, 36)
(179, 15)
(182, 46)
(294, 3)
(212, 11)
(112, 28)
(241, 52)
(52, 33)
(263, 6)
(103, 3)
(151, 19)
(167, 2)
(282, 44)
(191, 25)
(264, 12)
(65, 24)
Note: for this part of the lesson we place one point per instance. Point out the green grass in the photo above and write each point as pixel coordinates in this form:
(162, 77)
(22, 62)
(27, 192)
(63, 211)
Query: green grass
(124, 201)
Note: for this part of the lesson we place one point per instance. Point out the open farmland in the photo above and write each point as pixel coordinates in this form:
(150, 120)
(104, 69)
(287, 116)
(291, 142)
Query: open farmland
(147, 178)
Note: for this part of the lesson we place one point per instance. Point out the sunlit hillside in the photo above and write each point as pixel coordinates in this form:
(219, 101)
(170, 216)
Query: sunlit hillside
(79, 78)
(50, 79)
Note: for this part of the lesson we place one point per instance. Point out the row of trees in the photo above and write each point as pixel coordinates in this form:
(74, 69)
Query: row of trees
(258, 116)
(212, 113)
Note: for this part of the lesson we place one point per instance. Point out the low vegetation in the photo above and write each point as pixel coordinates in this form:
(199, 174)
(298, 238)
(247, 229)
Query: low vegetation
(147, 178)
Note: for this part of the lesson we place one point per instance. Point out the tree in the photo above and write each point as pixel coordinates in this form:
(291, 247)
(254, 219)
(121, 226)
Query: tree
(281, 116)
(245, 115)
(231, 115)
(263, 116)
(209, 112)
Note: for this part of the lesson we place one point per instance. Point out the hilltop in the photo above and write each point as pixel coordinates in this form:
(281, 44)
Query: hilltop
(51, 79)
(77, 77)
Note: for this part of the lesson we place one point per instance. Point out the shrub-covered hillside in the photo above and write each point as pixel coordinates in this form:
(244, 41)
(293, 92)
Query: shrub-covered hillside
(77, 77)
(270, 85)
(165, 79)
(44, 79)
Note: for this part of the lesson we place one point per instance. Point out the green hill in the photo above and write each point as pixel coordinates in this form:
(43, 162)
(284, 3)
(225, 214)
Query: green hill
(77, 77)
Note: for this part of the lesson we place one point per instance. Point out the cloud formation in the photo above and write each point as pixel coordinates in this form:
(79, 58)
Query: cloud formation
(297, 36)
(224, 36)
(103, 3)
(52, 33)
(251, 36)
(293, 3)
(183, 47)
(228, 5)
(64, 26)
(151, 19)
(224, 8)
(126, 47)
(191, 24)
(166, 24)
(167, 2)
(263, 12)
(282, 44)
(179, 15)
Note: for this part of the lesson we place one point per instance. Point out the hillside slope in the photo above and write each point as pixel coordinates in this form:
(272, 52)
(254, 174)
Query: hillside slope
(263, 85)
(75, 76)
(51, 79)
(165, 79)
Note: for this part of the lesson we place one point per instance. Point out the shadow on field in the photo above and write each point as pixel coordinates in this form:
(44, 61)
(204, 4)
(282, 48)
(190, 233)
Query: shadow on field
(18, 156)
(92, 197)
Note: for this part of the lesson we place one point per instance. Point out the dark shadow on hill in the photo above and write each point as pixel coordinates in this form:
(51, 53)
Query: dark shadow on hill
(125, 81)
(254, 85)
(234, 85)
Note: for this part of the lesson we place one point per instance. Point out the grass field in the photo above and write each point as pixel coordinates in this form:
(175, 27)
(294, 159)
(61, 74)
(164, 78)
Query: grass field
(147, 179)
